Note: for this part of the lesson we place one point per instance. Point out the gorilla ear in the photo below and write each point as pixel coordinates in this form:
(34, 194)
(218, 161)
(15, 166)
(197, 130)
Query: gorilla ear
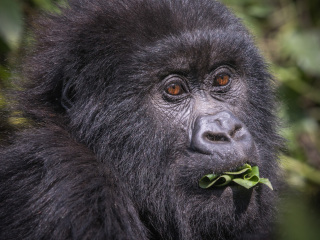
(67, 95)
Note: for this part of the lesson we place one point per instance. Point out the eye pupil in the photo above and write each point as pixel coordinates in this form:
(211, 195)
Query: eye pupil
(222, 80)
(174, 89)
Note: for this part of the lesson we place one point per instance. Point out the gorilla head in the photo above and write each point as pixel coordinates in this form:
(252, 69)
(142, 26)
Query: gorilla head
(161, 92)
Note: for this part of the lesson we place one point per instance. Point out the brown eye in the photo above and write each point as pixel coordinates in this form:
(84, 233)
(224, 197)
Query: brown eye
(222, 80)
(174, 89)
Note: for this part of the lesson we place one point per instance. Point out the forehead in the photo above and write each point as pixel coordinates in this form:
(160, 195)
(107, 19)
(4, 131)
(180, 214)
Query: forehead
(198, 50)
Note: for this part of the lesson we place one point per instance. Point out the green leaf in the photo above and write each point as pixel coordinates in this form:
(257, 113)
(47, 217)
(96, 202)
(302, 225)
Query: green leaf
(223, 180)
(245, 176)
(213, 179)
(245, 182)
(243, 169)
(253, 175)
(254, 172)
(266, 182)
(207, 180)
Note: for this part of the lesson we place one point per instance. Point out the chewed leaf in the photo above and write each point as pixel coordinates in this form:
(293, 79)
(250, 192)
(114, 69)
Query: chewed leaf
(251, 178)
(245, 183)
(212, 179)
(252, 175)
(207, 180)
(245, 176)
(254, 172)
(243, 169)
(266, 182)
(209, 177)
(223, 180)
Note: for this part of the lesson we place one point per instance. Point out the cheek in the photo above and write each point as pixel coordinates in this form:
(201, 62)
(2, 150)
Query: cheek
(238, 94)
(173, 116)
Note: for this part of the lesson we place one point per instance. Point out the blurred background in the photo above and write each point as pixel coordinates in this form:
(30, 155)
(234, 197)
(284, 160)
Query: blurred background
(288, 34)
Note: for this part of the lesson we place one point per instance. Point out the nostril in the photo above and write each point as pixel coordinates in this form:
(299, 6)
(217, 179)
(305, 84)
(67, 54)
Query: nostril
(215, 137)
(236, 128)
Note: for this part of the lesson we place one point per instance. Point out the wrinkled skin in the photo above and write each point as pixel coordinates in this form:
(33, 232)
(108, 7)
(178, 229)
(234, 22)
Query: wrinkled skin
(133, 102)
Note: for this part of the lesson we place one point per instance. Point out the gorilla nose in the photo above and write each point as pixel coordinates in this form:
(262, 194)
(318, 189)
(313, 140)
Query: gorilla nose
(218, 133)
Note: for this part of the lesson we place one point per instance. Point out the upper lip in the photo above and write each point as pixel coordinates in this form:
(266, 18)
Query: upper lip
(220, 163)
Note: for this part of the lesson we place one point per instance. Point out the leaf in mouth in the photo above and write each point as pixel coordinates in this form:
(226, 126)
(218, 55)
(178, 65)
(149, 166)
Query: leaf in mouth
(246, 176)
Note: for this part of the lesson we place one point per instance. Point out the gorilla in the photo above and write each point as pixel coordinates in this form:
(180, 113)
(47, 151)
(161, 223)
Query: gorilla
(130, 103)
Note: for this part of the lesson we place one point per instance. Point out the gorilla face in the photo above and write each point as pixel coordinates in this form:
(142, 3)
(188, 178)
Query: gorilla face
(201, 108)
(162, 92)
(180, 107)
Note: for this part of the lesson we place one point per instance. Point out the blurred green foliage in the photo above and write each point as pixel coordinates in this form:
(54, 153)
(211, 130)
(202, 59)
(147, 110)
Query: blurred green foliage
(288, 33)
(15, 16)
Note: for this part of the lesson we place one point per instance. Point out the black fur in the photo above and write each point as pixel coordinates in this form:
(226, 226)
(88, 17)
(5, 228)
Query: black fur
(108, 157)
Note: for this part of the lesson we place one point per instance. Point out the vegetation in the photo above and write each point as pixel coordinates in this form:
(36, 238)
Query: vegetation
(246, 176)
(288, 32)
